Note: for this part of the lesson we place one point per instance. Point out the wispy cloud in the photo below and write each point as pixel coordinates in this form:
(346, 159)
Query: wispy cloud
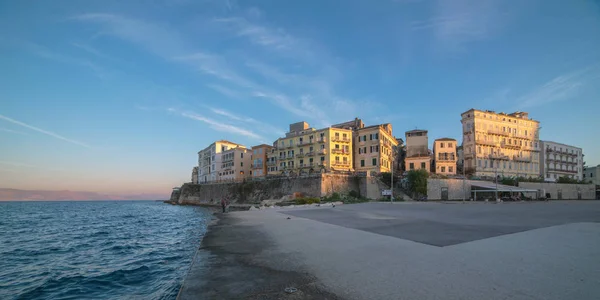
(91, 50)
(46, 53)
(46, 132)
(216, 66)
(13, 131)
(262, 126)
(559, 88)
(216, 125)
(228, 92)
(455, 23)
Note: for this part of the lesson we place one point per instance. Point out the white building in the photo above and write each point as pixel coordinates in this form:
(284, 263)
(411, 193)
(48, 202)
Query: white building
(558, 160)
(209, 160)
(591, 174)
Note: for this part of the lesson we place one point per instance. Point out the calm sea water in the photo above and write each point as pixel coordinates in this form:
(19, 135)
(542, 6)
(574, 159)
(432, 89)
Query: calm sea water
(97, 250)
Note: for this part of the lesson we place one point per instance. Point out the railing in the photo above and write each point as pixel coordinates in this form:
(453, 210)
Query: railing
(340, 163)
(290, 146)
(446, 159)
(561, 170)
(322, 152)
(510, 146)
(321, 140)
(498, 156)
(228, 159)
(487, 143)
(290, 156)
(311, 153)
(301, 143)
(271, 163)
(521, 158)
(339, 151)
(498, 132)
(300, 155)
(257, 166)
(341, 139)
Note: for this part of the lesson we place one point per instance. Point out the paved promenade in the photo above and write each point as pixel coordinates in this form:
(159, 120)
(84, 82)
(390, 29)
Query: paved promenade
(403, 251)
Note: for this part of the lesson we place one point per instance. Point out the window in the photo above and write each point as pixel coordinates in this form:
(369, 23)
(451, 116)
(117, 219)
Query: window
(364, 138)
(241, 164)
(337, 158)
(422, 165)
(412, 166)
(450, 169)
(359, 150)
(441, 145)
(443, 169)
(449, 145)
(377, 136)
(370, 137)
(242, 154)
(377, 148)
(322, 158)
(374, 161)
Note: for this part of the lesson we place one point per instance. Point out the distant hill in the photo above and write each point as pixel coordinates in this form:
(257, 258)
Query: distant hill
(14, 194)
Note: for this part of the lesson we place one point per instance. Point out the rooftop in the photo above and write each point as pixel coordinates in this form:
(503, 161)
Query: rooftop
(445, 139)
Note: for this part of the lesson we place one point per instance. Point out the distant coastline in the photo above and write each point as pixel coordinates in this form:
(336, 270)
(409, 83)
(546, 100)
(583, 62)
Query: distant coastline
(8, 194)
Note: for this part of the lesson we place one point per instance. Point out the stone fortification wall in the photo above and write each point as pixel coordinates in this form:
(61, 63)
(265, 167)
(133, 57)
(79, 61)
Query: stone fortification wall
(567, 191)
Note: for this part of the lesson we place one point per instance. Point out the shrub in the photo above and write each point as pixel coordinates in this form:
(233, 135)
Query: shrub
(417, 180)
(353, 194)
(307, 200)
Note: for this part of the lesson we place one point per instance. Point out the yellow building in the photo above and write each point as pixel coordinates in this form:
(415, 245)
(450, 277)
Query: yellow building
(235, 164)
(444, 155)
(259, 160)
(500, 144)
(305, 150)
(417, 151)
(374, 148)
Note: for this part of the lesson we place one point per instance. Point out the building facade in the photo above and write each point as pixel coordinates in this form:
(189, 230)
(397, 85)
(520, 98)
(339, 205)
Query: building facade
(591, 175)
(305, 150)
(235, 164)
(558, 160)
(209, 160)
(460, 160)
(272, 165)
(445, 157)
(195, 174)
(374, 148)
(417, 151)
(259, 160)
(499, 144)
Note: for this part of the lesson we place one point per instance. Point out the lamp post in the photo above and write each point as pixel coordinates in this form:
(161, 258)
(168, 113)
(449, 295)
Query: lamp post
(495, 175)
(392, 177)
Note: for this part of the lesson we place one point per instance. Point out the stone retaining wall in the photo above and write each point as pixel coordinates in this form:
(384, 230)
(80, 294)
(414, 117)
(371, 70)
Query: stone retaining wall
(568, 191)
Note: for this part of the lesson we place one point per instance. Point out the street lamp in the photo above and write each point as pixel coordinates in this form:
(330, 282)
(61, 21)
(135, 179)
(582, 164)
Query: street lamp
(393, 165)
(495, 175)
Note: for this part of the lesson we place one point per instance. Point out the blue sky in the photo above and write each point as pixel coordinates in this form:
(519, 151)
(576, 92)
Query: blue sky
(118, 96)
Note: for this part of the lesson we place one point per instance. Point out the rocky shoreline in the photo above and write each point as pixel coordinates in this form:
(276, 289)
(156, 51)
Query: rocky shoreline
(231, 264)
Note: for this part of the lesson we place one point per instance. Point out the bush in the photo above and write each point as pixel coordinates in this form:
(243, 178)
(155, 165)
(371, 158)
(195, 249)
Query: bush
(353, 194)
(307, 200)
(417, 180)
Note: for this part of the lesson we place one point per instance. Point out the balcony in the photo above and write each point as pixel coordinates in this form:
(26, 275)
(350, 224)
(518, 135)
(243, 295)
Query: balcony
(562, 171)
(341, 139)
(322, 164)
(450, 159)
(469, 155)
(227, 158)
(302, 165)
(290, 156)
(321, 140)
(311, 153)
(300, 143)
(339, 151)
(486, 143)
(289, 146)
(498, 132)
(340, 164)
(521, 158)
(271, 163)
(322, 152)
(498, 157)
(510, 146)
(300, 155)
(257, 166)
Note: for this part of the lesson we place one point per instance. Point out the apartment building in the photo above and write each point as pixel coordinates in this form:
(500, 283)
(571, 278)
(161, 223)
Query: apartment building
(460, 159)
(558, 160)
(272, 165)
(259, 160)
(500, 144)
(306, 150)
(374, 148)
(417, 151)
(445, 157)
(235, 164)
(591, 174)
(209, 160)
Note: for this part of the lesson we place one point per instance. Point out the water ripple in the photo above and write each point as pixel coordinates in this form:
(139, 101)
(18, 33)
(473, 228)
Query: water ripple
(96, 250)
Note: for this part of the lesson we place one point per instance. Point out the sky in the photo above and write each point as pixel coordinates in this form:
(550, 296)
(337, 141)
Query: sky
(119, 96)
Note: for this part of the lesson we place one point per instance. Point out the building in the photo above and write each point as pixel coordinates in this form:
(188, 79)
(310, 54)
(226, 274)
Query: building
(305, 150)
(417, 151)
(235, 164)
(444, 155)
(374, 148)
(259, 160)
(195, 174)
(558, 160)
(460, 160)
(272, 165)
(591, 174)
(499, 144)
(209, 160)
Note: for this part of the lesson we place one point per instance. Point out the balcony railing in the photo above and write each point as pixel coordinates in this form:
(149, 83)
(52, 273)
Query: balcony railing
(487, 143)
(446, 159)
(311, 153)
(510, 146)
(321, 140)
(300, 155)
(498, 132)
(341, 139)
(339, 151)
(340, 163)
(257, 166)
(498, 156)
(271, 163)
(230, 158)
(290, 156)
(521, 158)
(289, 146)
(561, 170)
(322, 152)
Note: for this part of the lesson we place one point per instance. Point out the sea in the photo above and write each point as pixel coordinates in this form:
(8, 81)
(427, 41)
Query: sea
(97, 249)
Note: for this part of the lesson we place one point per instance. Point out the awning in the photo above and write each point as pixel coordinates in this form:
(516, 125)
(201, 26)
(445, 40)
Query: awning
(487, 186)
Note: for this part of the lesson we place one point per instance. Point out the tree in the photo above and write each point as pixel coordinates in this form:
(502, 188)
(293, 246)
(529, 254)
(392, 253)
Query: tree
(417, 180)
